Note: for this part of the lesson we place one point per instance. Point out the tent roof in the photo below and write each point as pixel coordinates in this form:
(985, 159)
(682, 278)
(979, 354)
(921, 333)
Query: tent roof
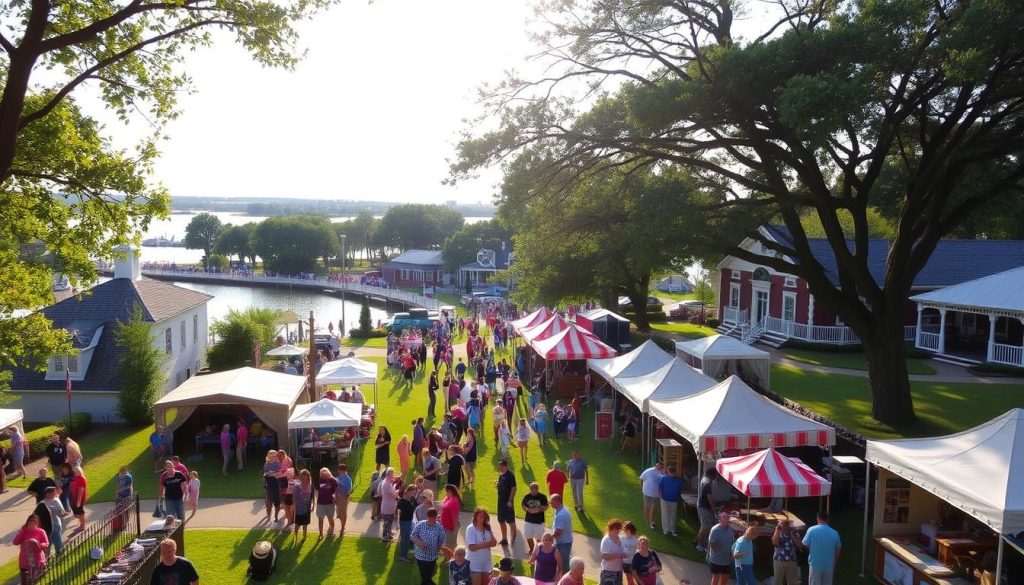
(288, 350)
(769, 474)
(326, 413)
(535, 318)
(594, 314)
(980, 470)
(642, 360)
(11, 417)
(672, 381)
(347, 371)
(730, 415)
(721, 347)
(241, 386)
(572, 343)
(1003, 291)
(554, 324)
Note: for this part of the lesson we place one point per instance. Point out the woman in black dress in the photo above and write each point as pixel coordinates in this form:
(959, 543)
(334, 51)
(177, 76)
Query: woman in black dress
(383, 444)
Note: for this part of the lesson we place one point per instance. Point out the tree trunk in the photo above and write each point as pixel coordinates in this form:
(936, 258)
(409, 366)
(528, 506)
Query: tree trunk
(639, 300)
(891, 402)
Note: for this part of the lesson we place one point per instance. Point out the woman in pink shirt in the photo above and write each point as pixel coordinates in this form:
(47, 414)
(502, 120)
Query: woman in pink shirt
(225, 448)
(403, 454)
(32, 555)
(450, 508)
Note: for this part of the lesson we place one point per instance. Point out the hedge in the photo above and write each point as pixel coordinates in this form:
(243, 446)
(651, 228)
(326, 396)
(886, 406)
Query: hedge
(39, 438)
(357, 333)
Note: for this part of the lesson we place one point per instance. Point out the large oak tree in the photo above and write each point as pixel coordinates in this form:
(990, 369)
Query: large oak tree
(804, 112)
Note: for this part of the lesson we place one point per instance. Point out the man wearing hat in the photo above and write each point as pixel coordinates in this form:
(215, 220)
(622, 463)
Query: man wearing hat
(428, 538)
(262, 561)
(504, 577)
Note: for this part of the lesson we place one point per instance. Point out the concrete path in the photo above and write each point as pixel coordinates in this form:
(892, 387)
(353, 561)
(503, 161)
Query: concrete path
(227, 514)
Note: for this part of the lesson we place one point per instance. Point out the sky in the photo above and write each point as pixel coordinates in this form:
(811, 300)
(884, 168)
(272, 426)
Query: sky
(372, 112)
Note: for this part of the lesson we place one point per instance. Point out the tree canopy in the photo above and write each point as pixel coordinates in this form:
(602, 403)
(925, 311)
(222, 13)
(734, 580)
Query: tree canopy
(417, 226)
(803, 113)
(461, 247)
(237, 335)
(293, 244)
(202, 232)
(360, 231)
(236, 240)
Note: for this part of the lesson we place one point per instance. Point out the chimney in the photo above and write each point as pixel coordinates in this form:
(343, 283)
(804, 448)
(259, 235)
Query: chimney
(126, 263)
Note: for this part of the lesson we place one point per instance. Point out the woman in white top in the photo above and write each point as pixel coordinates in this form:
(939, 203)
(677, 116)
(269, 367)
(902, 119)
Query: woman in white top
(498, 413)
(479, 542)
(612, 554)
(504, 437)
(522, 439)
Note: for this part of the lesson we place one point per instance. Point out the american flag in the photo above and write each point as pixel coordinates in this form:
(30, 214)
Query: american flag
(67, 384)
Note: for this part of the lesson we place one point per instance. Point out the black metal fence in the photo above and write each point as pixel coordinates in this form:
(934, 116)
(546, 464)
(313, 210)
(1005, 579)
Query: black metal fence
(74, 565)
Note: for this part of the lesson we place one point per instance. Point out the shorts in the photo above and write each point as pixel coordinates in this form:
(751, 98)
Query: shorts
(302, 519)
(325, 510)
(533, 531)
(78, 510)
(288, 499)
(652, 501)
(707, 516)
(720, 569)
(506, 514)
(481, 567)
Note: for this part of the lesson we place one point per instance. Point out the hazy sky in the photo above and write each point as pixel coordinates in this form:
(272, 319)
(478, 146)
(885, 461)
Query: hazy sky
(371, 113)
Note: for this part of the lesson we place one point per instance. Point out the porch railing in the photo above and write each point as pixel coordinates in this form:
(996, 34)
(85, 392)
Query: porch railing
(819, 333)
(1007, 354)
(909, 332)
(929, 341)
(736, 315)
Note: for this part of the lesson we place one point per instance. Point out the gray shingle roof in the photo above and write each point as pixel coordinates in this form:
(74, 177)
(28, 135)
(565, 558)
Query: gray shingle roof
(419, 258)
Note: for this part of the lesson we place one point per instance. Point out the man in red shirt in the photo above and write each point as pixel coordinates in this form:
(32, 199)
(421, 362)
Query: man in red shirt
(556, 479)
(242, 442)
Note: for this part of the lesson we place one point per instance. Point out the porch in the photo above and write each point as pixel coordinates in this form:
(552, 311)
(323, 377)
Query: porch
(736, 322)
(972, 334)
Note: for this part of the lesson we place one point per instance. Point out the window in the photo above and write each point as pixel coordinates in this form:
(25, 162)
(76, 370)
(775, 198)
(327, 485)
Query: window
(168, 341)
(789, 307)
(734, 274)
(734, 295)
(58, 363)
(73, 364)
(762, 274)
(790, 282)
(183, 335)
(403, 274)
(195, 328)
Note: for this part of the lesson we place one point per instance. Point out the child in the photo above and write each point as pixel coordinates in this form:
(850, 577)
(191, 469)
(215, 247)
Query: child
(375, 480)
(192, 500)
(458, 568)
(629, 542)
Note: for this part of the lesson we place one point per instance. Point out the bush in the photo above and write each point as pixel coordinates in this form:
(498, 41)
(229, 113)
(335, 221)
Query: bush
(219, 261)
(357, 333)
(990, 368)
(81, 423)
(713, 323)
(39, 438)
(365, 323)
(823, 347)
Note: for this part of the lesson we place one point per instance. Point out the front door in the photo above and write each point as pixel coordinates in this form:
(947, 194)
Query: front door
(760, 305)
(788, 312)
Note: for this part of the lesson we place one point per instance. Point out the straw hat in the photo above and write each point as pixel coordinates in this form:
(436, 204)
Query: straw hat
(262, 549)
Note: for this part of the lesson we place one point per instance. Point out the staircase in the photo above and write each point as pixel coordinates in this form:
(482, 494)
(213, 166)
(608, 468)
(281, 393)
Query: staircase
(751, 334)
(955, 360)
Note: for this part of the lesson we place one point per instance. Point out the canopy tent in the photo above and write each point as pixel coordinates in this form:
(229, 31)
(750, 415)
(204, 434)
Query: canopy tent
(642, 360)
(12, 417)
(769, 474)
(571, 343)
(719, 355)
(347, 371)
(554, 324)
(270, 395)
(672, 381)
(287, 350)
(535, 318)
(326, 413)
(730, 415)
(980, 470)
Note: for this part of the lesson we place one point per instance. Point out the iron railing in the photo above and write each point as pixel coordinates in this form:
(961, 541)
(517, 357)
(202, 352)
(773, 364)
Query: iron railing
(112, 532)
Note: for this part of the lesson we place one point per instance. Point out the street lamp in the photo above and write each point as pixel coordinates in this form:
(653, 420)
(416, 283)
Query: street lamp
(344, 285)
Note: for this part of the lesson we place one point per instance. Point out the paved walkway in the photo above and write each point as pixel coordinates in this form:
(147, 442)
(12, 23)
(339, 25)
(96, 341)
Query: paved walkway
(224, 514)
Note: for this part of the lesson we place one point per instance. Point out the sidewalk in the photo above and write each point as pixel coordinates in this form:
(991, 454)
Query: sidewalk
(228, 514)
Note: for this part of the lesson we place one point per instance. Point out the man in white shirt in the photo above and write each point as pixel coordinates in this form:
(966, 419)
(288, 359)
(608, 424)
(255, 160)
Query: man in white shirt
(650, 482)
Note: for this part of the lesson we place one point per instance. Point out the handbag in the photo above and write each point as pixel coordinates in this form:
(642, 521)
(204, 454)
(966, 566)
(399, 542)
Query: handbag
(159, 512)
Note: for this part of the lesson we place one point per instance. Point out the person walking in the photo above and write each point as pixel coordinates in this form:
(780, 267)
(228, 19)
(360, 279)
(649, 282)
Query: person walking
(629, 544)
(671, 491)
(406, 510)
(404, 448)
(241, 443)
(497, 417)
(388, 505)
(743, 557)
(33, 542)
(785, 540)
(432, 388)
(823, 549)
(18, 452)
(612, 554)
(431, 469)
(56, 511)
(456, 466)
(506, 484)
(172, 568)
(720, 559)
(534, 504)
(556, 479)
(705, 508)
(561, 527)
(192, 494)
(56, 454)
(326, 490)
(172, 486)
(451, 505)
(125, 484)
(579, 475)
(342, 497)
(428, 538)
(522, 439)
(650, 487)
(225, 448)
(156, 447)
(479, 542)
(470, 454)
(382, 449)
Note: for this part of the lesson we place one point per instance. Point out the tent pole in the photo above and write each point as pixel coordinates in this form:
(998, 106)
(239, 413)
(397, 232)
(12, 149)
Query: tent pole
(831, 481)
(867, 487)
(999, 561)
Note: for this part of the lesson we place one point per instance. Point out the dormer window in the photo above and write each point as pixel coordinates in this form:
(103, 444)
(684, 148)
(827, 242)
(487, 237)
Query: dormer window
(58, 363)
(72, 363)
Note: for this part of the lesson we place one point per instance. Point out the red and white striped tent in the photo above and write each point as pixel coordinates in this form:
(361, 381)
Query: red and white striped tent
(555, 324)
(769, 474)
(572, 343)
(535, 318)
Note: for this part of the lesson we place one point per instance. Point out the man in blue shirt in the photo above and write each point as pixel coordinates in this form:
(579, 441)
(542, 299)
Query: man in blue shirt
(341, 498)
(561, 527)
(705, 508)
(460, 369)
(428, 538)
(156, 447)
(671, 489)
(823, 547)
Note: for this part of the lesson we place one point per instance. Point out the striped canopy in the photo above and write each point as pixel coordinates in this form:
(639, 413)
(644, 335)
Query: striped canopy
(768, 474)
(535, 318)
(572, 343)
(554, 324)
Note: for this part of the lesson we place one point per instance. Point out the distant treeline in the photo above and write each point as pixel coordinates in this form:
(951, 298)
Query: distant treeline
(272, 207)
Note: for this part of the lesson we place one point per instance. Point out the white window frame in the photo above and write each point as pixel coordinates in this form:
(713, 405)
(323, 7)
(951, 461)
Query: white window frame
(184, 335)
(403, 274)
(72, 363)
(734, 290)
(734, 274)
(58, 363)
(168, 341)
(195, 328)
(790, 282)
(788, 296)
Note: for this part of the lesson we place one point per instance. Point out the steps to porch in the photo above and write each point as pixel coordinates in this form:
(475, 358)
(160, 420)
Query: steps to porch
(751, 335)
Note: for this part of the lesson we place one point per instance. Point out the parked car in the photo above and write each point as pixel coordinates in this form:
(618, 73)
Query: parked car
(626, 306)
(685, 309)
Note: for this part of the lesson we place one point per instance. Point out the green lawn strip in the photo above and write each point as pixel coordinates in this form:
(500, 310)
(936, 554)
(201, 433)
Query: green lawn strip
(941, 408)
(378, 342)
(854, 360)
(691, 330)
(674, 296)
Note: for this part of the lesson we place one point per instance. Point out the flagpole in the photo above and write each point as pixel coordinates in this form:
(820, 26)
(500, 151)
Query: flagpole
(67, 388)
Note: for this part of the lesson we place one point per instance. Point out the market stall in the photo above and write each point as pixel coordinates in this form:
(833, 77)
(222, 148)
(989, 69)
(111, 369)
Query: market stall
(553, 325)
(609, 327)
(535, 318)
(322, 418)
(569, 348)
(349, 371)
(719, 356)
(645, 359)
(12, 417)
(942, 503)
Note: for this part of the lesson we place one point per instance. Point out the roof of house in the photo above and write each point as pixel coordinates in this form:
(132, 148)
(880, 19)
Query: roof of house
(1003, 291)
(952, 262)
(501, 261)
(104, 305)
(417, 258)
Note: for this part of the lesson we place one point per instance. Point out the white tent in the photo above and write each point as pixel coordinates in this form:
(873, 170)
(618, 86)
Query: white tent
(347, 371)
(270, 395)
(642, 360)
(730, 415)
(326, 413)
(287, 350)
(12, 417)
(672, 381)
(719, 356)
(980, 470)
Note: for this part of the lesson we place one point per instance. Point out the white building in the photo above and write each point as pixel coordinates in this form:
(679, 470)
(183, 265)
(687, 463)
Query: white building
(179, 330)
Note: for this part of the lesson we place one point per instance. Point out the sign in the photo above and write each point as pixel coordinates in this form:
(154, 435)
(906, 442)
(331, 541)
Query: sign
(604, 425)
(896, 572)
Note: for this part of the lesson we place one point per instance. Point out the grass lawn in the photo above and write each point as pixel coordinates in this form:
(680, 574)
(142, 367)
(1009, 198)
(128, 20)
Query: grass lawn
(379, 342)
(674, 296)
(691, 330)
(941, 408)
(853, 360)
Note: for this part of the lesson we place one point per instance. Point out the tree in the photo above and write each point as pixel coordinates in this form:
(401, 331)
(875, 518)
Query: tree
(702, 289)
(417, 226)
(365, 322)
(359, 230)
(201, 234)
(293, 244)
(461, 247)
(140, 369)
(237, 335)
(805, 115)
(236, 240)
(62, 181)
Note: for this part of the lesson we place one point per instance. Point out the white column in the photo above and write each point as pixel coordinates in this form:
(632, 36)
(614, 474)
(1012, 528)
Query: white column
(917, 332)
(942, 330)
(810, 313)
(991, 336)
(1021, 319)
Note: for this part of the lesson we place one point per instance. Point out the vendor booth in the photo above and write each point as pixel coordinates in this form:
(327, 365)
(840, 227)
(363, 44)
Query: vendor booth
(12, 417)
(535, 318)
(946, 506)
(609, 327)
(261, 398)
(331, 428)
(642, 360)
(554, 325)
(570, 347)
(720, 356)
(350, 371)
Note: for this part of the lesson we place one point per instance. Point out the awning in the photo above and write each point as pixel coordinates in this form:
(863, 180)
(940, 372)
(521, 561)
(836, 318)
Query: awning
(642, 360)
(721, 356)
(769, 474)
(347, 371)
(288, 350)
(326, 413)
(672, 381)
(535, 318)
(572, 343)
(555, 324)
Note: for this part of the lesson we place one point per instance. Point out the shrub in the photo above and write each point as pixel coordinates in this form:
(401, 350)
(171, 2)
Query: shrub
(713, 323)
(219, 261)
(81, 423)
(989, 368)
(365, 322)
(140, 369)
(357, 333)
(39, 438)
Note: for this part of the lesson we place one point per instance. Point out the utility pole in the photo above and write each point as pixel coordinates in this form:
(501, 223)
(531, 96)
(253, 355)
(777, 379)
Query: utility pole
(344, 285)
(313, 361)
